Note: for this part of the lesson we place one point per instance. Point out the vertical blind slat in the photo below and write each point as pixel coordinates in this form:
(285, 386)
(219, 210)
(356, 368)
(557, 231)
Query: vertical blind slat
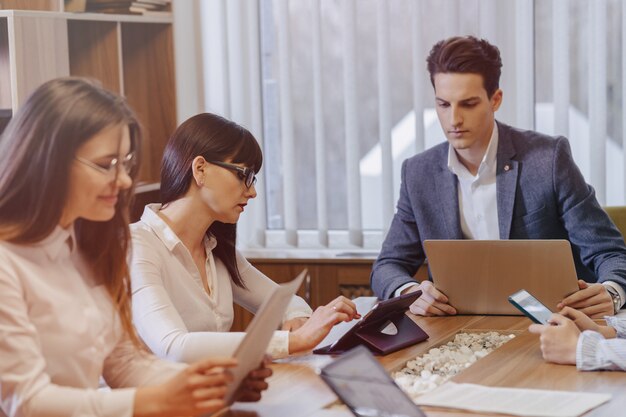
(524, 63)
(488, 19)
(320, 138)
(623, 4)
(451, 17)
(384, 113)
(597, 96)
(418, 74)
(286, 124)
(353, 181)
(560, 66)
(225, 62)
(256, 113)
(237, 63)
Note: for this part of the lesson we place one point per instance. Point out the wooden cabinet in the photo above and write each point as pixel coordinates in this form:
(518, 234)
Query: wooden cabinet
(327, 279)
(129, 54)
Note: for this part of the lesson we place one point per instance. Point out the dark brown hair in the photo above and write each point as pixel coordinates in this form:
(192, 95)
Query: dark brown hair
(37, 150)
(215, 139)
(464, 55)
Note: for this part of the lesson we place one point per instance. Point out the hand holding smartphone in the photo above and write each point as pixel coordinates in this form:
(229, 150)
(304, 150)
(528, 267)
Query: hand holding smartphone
(531, 307)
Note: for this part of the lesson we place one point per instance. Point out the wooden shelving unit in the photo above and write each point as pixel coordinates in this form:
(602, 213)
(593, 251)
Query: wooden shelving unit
(42, 5)
(148, 68)
(130, 54)
(94, 52)
(5, 76)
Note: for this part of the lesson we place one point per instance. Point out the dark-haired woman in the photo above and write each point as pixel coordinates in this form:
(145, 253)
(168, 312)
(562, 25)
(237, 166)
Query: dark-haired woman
(186, 272)
(68, 160)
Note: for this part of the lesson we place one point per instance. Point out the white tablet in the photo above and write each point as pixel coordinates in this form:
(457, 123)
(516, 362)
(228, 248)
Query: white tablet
(251, 350)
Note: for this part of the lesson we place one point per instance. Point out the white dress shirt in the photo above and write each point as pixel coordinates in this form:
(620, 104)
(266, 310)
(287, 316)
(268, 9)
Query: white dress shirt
(173, 313)
(59, 333)
(594, 352)
(478, 204)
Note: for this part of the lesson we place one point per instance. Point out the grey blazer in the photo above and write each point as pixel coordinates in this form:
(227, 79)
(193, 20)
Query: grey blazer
(541, 194)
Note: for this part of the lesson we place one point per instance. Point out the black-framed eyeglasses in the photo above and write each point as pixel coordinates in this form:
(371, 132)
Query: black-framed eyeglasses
(247, 175)
(111, 169)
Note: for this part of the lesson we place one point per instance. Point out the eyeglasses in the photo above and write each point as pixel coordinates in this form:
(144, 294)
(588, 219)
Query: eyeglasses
(247, 175)
(111, 169)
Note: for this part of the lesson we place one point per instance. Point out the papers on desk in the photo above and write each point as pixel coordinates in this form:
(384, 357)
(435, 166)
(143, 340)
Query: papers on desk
(513, 401)
(250, 352)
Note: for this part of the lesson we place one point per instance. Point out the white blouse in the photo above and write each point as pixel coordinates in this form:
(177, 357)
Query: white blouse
(59, 333)
(173, 313)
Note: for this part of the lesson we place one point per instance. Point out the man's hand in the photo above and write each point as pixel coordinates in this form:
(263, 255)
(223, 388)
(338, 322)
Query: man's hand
(592, 299)
(583, 322)
(432, 302)
(559, 340)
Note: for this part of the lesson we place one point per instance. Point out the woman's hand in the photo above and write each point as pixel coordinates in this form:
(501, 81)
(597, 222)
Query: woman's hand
(198, 389)
(251, 387)
(583, 322)
(559, 340)
(319, 324)
(294, 324)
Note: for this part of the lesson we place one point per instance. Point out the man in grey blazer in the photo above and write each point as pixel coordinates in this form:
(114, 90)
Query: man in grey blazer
(492, 181)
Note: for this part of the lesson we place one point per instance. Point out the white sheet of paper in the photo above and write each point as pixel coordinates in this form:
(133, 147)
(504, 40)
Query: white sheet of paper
(250, 352)
(514, 401)
(363, 306)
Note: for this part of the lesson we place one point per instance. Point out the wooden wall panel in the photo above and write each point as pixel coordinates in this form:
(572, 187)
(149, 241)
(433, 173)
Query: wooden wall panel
(94, 52)
(41, 53)
(148, 69)
(46, 5)
(5, 67)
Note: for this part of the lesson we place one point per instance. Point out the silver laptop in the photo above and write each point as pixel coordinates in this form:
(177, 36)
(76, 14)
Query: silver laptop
(477, 276)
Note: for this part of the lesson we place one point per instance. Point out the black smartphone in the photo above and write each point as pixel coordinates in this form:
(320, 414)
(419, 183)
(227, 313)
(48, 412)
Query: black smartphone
(530, 306)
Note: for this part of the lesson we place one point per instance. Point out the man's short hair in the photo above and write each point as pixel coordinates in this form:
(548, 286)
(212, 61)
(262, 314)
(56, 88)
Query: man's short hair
(466, 54)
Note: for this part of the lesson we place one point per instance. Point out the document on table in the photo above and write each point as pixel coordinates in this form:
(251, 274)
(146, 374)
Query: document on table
(250, 352)
(514, 401)
(363, 306)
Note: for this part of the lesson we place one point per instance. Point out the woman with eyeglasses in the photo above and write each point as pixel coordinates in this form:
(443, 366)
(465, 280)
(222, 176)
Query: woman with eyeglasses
(68, 159)
(186, 272)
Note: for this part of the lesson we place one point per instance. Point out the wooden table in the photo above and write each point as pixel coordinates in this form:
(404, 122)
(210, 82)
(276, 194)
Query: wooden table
(296, 391)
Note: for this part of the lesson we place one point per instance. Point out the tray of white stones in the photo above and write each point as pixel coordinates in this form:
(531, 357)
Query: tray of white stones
(431, 369)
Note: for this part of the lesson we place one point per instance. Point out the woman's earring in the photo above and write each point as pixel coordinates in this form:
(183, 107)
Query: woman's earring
(201, 182)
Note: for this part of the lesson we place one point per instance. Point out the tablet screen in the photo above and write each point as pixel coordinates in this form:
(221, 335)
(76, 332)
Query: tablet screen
(365, 387)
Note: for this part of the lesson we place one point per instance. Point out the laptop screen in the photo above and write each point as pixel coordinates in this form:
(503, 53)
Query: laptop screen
(365, 387)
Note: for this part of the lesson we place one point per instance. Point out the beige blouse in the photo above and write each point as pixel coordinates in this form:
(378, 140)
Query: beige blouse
(59, 333)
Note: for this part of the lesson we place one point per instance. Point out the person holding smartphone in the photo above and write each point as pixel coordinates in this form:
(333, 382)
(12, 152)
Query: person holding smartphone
(572, 338)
